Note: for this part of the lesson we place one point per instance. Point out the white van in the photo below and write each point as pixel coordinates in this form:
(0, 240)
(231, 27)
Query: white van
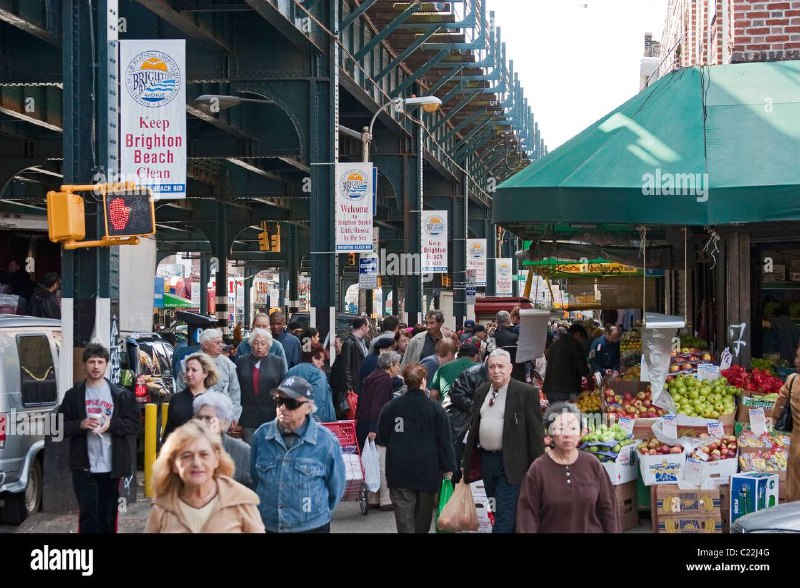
(29, 399)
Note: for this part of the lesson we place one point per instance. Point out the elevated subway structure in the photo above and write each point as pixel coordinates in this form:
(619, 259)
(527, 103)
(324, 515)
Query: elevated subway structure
(315, 72)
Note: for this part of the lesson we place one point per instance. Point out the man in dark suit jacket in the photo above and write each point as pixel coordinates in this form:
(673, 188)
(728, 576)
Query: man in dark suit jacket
(345, 372)
(504, 336)
(259, 373)
(566, 365)
(506, 435)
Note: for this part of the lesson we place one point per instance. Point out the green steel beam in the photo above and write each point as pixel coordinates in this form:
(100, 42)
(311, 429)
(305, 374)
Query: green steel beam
(351, 18)
(453, 111)
(407, 52)
(390, 28)
(400, 88)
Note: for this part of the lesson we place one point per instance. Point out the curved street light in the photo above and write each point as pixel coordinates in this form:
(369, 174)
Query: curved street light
(428, 104)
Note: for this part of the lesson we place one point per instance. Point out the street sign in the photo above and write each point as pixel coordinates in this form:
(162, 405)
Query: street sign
(368, 272)
(470, 295)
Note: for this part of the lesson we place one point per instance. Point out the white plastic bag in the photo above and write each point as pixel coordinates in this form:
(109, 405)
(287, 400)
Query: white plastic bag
(372, 466)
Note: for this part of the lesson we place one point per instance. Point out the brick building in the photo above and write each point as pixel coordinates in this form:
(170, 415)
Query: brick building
(713, 32)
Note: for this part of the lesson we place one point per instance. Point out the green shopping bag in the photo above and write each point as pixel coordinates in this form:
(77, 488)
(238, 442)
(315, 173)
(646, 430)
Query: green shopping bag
(444, 495)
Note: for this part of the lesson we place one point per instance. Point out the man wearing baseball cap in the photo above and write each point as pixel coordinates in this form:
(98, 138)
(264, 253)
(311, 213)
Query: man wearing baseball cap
(469, 325)
(297, 464)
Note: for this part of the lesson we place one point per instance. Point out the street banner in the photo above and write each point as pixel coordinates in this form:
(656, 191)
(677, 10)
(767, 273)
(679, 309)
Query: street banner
(153, 115)
(368, 272)
(476, 259)
(434, 241)
(503, 272)
(353, 202)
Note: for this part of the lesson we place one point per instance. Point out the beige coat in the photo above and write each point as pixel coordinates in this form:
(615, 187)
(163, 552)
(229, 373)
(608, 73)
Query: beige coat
(237, 512)
(793, 467)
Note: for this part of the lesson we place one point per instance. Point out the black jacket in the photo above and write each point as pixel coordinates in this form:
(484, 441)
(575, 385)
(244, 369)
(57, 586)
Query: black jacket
(523, 431)
(566, 365)
(125, 423)
(458, 403)
(347, 367)
(505, 337)
(44, 304)
(257, 410)
(181, 411)
(419, 449)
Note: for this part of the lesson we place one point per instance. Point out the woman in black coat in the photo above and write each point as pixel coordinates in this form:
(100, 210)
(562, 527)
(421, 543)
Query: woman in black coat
(259, 373)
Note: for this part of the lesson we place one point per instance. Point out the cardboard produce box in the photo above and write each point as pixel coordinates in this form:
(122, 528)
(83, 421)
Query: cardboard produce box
(676, 510)
(748, 401)
(627, 503)
(672, 500)
(623, 469)
(662, 469)
(751, 492)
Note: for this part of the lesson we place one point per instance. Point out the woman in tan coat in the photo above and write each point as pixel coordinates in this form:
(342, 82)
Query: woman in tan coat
(791, 392)
(194, 491)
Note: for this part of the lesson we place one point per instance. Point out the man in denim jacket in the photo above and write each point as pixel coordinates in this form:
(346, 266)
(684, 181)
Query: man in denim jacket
(297, 464)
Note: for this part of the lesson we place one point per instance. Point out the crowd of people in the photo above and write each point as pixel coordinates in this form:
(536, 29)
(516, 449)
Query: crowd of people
(245, 448)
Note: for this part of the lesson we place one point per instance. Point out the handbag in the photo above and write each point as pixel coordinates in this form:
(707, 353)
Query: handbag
(785, 421)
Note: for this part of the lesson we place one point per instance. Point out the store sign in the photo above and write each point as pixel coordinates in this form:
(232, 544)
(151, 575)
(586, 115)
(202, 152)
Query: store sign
(434, 241)
(353, 212)
(476, 259)
(503, 272)
(153, 115)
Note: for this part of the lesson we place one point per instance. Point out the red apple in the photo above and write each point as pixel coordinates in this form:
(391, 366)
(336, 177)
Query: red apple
(675, 449)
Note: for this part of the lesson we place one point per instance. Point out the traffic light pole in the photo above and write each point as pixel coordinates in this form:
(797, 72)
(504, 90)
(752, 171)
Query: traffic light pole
(86, 273)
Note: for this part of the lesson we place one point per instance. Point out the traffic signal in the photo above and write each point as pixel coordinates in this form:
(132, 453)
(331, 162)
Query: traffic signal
(351, 259)
(274, 231)
(129, 213)
(66, 219)
(263, 241)
(447, 281)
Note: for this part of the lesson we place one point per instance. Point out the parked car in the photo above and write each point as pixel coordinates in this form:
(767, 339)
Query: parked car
(29, 395)
(146, 369)
(784, 518)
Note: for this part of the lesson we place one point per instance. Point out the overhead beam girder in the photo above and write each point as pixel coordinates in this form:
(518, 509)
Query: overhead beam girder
(19, 21)
(186, 24)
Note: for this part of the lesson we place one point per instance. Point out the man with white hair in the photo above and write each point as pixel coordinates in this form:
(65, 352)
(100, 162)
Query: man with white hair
(506, 435)
(211, 344)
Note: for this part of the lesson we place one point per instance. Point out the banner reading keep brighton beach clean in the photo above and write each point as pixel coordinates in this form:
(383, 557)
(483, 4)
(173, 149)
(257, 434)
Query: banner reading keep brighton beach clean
(353, 216)
(476, 259)
(434, 241)
(503, 276)
(153, 115)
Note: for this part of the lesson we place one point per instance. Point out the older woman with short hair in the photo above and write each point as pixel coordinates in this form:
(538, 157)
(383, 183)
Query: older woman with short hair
(259, 373)
(194, 491)
(566, 490)
(216, 411)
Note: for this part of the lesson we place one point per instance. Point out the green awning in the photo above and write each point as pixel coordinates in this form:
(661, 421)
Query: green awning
(702, 146)
(172, 301)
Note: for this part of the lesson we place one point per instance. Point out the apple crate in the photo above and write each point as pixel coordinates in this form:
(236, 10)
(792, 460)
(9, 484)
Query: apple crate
(623, 469)
(748, 401)
(662, 469)
(697, 470)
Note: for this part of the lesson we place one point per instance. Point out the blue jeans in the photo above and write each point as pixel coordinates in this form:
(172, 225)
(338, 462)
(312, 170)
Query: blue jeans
(505, 494)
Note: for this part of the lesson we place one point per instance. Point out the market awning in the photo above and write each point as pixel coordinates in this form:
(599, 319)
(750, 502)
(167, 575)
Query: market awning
(173, 301)
(552, 267)
(703, 145)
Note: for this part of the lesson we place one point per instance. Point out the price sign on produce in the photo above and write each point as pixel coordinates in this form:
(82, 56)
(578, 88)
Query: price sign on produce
(758, 423)
(716, 429)
(669, 424)
(626, 424)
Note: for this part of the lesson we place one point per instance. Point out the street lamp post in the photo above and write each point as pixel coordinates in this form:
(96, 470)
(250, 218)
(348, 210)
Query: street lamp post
(428, 104)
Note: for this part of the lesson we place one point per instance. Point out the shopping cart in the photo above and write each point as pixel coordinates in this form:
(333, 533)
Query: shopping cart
(355, 487)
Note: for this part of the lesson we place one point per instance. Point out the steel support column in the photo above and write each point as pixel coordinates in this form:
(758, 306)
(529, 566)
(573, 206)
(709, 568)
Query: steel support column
(323, 153)
(220, 249)
(459, 249)
(412, 207)
(491, 254)
(293, 256)
(205, 277)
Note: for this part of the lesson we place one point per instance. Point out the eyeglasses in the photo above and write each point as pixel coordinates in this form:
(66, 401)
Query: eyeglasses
(289, 403)
(493, 398)
(205, 418)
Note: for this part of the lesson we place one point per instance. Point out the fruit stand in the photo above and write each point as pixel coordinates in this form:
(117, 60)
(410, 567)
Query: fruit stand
(630, 431)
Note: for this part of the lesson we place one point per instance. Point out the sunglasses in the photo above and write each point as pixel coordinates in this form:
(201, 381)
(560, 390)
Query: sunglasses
(289, 403)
